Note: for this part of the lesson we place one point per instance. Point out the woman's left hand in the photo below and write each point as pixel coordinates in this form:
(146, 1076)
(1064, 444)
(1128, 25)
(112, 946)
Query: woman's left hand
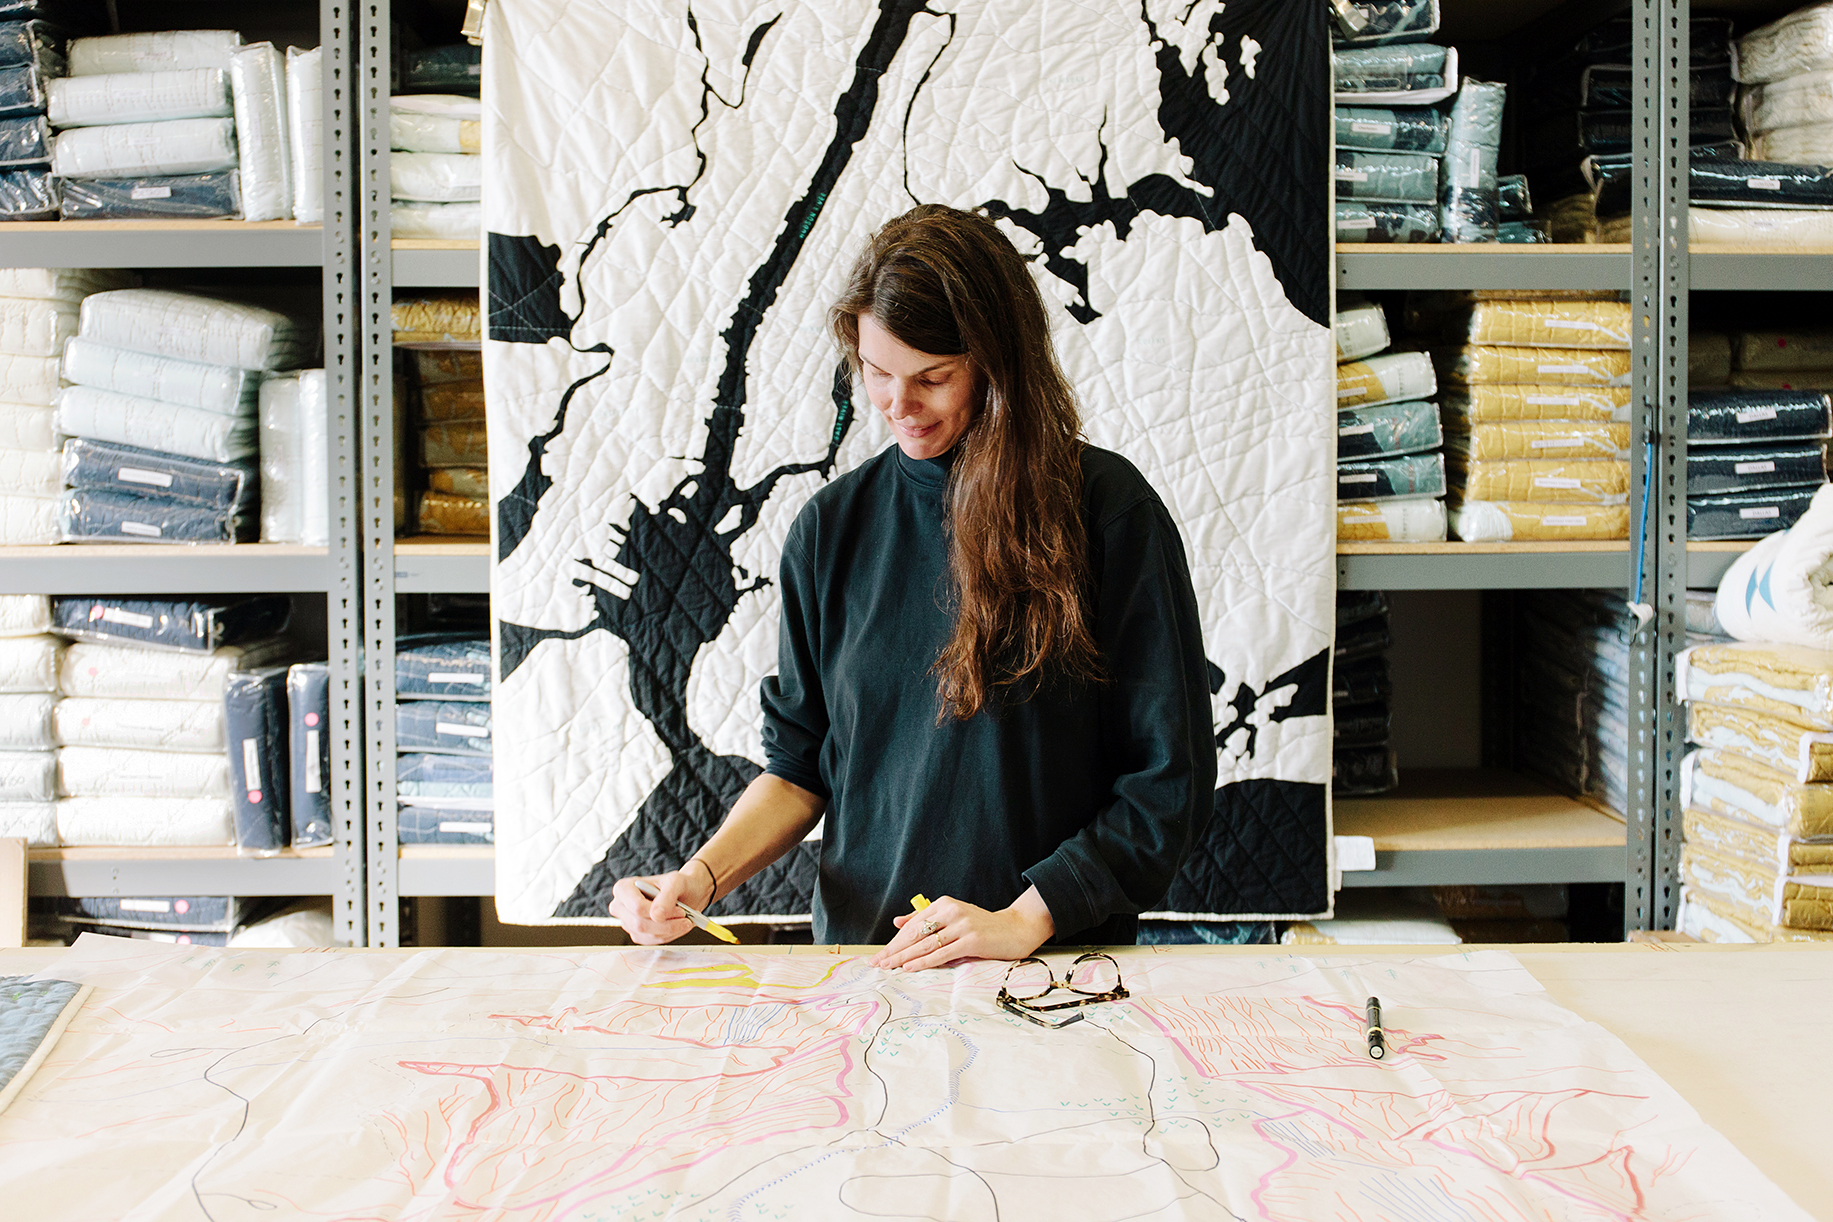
(951, 929)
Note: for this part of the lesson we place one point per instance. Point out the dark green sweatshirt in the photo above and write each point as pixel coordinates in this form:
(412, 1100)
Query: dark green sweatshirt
(1093, 793)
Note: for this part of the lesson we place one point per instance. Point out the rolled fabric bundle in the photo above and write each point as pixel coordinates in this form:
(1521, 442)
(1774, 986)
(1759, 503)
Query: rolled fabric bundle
(445, 178)
(1551, 324)
(1408, 129)
(24, 614)
(1358, 221)
(255, 721)
(158, 51)
(441, 222)
(308, 697)
(449, 726)
(1550, 480)
(130, 150)
(1360, 327)
(133, 672)
(1488, 364)
(442, 514)
(1800, 42)
(25, 141)
(454, 445)
(257, 81)
(1732, 417)
(146, 822)
(1407, 475)
(1388, 429)
(138, 97)
(1541, 439)
(33, 822)
(108, 467)
(1790, 350)
(1773, 741)
(29, 194)
(143, 725)
(305, 122)
(93, 515)
(27, 428)
(222, 389)
(180, 196)
(1731, 468)
(27, 520)
(473, 482)
(194, 626)
(83, 411)
(1483, 404)
(1746, 515)
(1505, 521)
(25, 721)
(29, 473)
(1380, 379)
(1387, 177)
(205, 330)
(27, 776)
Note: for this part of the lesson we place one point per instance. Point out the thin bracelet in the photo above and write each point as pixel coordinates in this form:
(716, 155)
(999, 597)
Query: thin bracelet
(709, 874)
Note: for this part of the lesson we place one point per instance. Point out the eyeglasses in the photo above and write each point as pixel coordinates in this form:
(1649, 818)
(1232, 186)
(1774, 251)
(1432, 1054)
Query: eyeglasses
(1093, 977)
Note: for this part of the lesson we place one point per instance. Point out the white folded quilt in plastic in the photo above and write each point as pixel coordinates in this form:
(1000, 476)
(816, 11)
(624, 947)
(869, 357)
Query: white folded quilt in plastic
(1796, 145)
(24, 614)
(1741, 788)
(437, 123)
(257, 81)
(306, 130)
(135, 673)
(28, 776)
(27, 520)
(134, 150)
(29, 473)
(222, 389)
(1771, 228)
(35, 327)
(1782, 589)
(1361, 327)
(1508, 521)
(437, 177)
(1385, 379)
(138, 97)
(33, 822)
(294, 435)
(445, 222)
(1800, 42)
(147, 725)
(1403, 521)
(146, 822)
(29, 381)
(1802, 100)
(83, 411)
(202, 329)
(27, 428)
(113, 772)
(155, 51)
(29, 663)
(25, 722)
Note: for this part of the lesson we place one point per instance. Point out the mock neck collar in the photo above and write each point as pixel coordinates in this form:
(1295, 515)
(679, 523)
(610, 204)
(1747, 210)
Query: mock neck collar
(930, 472)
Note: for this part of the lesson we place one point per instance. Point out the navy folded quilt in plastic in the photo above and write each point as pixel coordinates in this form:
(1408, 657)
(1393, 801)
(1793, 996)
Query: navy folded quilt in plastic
(254, 722)
(1396, 178)
(460, 727)
(1354, 606)
(196, 196)
(1391, 428)
(1746, 515)
(457, 68)
(1361, 682)
(1362, 640)
(76, 16)
(1361, 725)
(1760, 184)
(1578, 134)
(110, 466)
(308, 703)
(193, 912)
(1358, 221)
(1382, 478)
(22, 86)
(24, 141)
(1400, 69)
(1614, 41)
(421, 824)
(1363, 770)
(1513, 203)
(1523, 231)
(429, 775)
(1729, 417)
(28, 42)
(442, 667)
(91, 513)
(1404, 129)
(1611, 87)
(195, 627)
(1718, 469)
(1378, 21)
(28, 195)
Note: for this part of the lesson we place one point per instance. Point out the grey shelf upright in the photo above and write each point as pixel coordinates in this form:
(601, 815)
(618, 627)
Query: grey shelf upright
(329, 572)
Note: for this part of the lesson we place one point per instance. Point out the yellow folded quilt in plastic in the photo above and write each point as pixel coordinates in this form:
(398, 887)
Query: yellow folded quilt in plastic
(1551, 324)
(1727, 784)
(454, 445)
(1506, 521)
(450, 401)
(1789, 681)
(459, 481)
(1730, 837)
(1408, 520)
(1555, 480)
(1772, 741)
(439, 318)
(443, 514)
(1763, 893)
(1493, 365)
(1488, 404)
(1538, 439)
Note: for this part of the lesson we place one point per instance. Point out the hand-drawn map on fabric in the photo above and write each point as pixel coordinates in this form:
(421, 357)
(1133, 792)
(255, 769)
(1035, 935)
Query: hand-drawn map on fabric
(723, 1087)
(676, 189)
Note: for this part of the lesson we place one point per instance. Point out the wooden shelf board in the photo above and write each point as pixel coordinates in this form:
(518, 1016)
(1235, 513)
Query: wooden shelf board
(1538, 547)
(99, 852)
(1463, 809)
(1726, 248)
(1528, 249)
(447, 852)
(1721, 545)
(443, 545)
(168, 226)
(147, 551)
(432, 244)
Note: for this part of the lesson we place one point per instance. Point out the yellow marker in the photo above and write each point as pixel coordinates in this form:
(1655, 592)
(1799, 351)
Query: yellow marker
(699, 918)
(918, 902)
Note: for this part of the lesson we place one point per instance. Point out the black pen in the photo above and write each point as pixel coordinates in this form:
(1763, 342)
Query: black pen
(1377, 1043)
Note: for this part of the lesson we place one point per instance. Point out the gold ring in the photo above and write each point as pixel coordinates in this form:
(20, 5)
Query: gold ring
(941, 941)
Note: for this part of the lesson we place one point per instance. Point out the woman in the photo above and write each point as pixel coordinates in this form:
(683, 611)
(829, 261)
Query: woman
(991, 679)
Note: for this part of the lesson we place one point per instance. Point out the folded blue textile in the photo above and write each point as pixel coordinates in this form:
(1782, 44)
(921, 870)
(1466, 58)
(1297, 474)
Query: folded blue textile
(194, 912)
(1394, 69)
(1382, 478)
(1728, 417)
(1396, 178)
(457, 68)
(1400, 223)
(1362, 725)
(28, 1010)
(1407, 129)
(1611, 87)
(1361, 682)
(421, 824)
(1513, 202)
(1722, 469)
(442, 667)
(1760, 184)
(308, 702)
(1523, 231)
(427, 775)
(1369, 22)
(28, 195)
(1747, 515)
(1364, 639)
(91, 514)
(458, 727)
(112, 467)
(28, 42)
(254, 722)
(1362, 771)
(1391, 428)
(22, 86)
(77, 16)
(195, 627)
(25, 141)
(197, 196)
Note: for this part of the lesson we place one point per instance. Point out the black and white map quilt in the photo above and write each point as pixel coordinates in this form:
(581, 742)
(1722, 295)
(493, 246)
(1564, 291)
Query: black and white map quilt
(675, 191)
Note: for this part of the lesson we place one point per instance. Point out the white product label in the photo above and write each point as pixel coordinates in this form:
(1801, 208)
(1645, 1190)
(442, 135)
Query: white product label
(314, 779)
(1571, 324)
(1554, 481)
(132, 619)
(1355, 222)
(1754, 468)
(1555, 400)
(1355, 853)
(465, 829)
(1564, 369)
(1345, 174)
(451, 677)
(134, 475)
(1355, 430)
(151, 193)
(1751, 415)
(463, 731)
(1563, 519)
(1763, 184)
(1351, 392)
(146, 905)
(474, 70)
(1544, 442)
(144, 529)
(251, 765)
(1369, 478)
(1768, 511)
(1370, 127)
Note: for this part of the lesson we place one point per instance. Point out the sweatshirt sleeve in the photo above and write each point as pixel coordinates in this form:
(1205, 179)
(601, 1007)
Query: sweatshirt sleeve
(1156, 724)
(795, 705)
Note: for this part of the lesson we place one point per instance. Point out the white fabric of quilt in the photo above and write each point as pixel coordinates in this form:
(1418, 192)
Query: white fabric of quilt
(33, 822)
(132, 673)
(1812, 145)
(1795, 101)
(257, 80)
(1782, 589)
(155, 51)
(163, 725)
(222, 389)
(1771, 228)
(27, 428)
(449, 222)
(24, 614)
(25, 722)
(306, 129)
(30, 472)
(188, 327)
(35, 327)
(146, 822)
(70, 284)
(113, 772)
(138, 97)
(27, 776)
(83, 411)
(29, 381)
(1800, 42)
(27, 521)
(29, 663)
(135, 150)
(445, 178)
(409, 132)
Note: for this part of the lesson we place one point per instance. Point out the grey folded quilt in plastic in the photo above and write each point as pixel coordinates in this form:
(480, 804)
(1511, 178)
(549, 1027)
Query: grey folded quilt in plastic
(450, 726)
(1406, 129)
(1388, 429)
(430, 775)
(442, 667)
(1411, 68)
(1381, 478)
(1386, 176)
(1397, 223)
(420, 823)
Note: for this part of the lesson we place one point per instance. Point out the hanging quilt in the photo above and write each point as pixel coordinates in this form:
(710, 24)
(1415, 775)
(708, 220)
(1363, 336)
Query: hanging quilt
(675, 192)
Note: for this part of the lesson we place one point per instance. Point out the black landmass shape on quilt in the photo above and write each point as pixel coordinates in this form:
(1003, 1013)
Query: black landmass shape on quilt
(1255, 155)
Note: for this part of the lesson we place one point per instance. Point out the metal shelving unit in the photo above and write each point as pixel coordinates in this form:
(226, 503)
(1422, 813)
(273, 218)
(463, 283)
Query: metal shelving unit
(328, 572)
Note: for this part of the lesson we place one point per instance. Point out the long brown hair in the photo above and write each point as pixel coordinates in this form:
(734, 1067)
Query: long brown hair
(947, 282)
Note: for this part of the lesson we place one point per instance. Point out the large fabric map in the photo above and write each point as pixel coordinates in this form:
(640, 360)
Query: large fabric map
(691, 1085)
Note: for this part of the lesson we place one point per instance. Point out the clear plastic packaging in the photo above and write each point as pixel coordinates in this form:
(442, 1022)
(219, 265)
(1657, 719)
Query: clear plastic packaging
(114, 772)
(83, 411)
(1397, 223)
(27, 520)
(24, 614)
(138, 97)
(140, 725)
(1747, 515)
(1797, 348)
(439, 319)
(180, 196)
(70, 284)
(257, 81)
(443, 775)
(27, 776)
(421, 823)
(294, 464)
(1714, 470)
(1550, 480)
(1361, 725)
(1410, 129)
(1524, 232)
(1796, 145)
(1485, 404)
(30, 428)
(1368, 22)
(1614, 41)
(35, 328)
(25, 141)
(1485, 364)
(460, 481)
(1540, 439)
(133, 672)
(1407, 475)
(435, 367)
(308, 696)
(412, 132)
(1738, 417)
(1800, 42)
(146, 822)
(1360, 326)
(29, 663)
(1398, 69)
(1550, 324)
(194, 627)
(1506, 521)
(1798, 101)
(450, 726)
(1513, 200)
(222, 389)
(157, 51)
(89, 515)
(255, 722)
(25, 721)
(29, 472)
(22, 87)
(439, 513)
(1611, 87)
(456, 68)
(436, 177)
(305, 122)
(1391, 428)
(442, 222)
(450, 402)
(187, 327)
(1416, 520)
(109, 467)
(195, 913)
(140, 150)
(28, 42)
(1761, 228)
(454, 445)
(1759, 184)
(1385, 379)
(1396, 178)
(28, 195)
(1364, 772)
(442, 668)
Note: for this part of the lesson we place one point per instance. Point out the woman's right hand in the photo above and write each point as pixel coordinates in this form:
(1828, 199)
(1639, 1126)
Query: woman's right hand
(652, 922)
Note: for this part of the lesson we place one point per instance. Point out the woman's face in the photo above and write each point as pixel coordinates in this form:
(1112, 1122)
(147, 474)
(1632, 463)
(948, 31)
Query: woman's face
(927, 400)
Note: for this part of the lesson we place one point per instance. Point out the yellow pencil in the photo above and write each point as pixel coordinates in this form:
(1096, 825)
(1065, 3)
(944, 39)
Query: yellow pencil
(700, 919)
